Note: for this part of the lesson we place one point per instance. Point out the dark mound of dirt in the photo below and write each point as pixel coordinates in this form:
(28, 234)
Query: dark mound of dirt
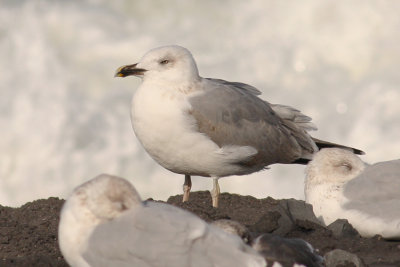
(28, 235)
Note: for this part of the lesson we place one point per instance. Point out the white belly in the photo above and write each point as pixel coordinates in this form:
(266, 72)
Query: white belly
(326, 200)
(169, 134)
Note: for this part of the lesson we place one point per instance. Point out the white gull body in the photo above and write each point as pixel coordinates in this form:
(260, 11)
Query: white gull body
(339, 185)
(104, 223)
(211, 127)
(171, 136)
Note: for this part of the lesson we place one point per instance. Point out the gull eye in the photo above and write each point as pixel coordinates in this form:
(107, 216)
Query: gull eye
(345, 166)
(164, 61)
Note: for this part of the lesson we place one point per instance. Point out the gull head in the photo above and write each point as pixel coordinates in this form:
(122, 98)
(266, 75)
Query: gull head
(173, 64)
(234, 228)
(108, 196)
(101, 199)
(333, 165)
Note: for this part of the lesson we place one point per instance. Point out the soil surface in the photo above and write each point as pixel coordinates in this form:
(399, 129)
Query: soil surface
(28, 235)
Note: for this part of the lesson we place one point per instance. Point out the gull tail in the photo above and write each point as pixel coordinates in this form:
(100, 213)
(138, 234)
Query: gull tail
(325, 144)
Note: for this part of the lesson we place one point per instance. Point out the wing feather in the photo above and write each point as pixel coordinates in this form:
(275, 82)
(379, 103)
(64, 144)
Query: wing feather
(231, 114)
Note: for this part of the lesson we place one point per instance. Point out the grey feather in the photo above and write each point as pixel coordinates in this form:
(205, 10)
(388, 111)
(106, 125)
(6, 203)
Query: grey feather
(232, 114)
(376, 191)
(163, 235)
(241, 86)
(294, 115)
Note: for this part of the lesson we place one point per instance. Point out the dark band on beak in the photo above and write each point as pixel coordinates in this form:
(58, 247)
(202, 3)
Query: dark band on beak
(129, 70)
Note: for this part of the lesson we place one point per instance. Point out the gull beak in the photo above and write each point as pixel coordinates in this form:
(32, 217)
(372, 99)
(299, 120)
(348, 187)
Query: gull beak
(128, 70)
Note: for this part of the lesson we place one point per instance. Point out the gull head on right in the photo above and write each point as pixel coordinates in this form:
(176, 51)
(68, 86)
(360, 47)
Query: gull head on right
(333, 165)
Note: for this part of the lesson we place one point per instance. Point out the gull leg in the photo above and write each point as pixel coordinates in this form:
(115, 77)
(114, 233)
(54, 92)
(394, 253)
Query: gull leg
(186, 188)
(215, 192)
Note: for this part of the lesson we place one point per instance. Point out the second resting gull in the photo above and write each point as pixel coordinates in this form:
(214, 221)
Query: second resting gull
(211, 127)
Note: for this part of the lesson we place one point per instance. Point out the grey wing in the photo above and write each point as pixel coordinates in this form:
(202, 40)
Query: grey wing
(376, 191)
(241, 86)
(294, 115)
(161, 235)
(230, 114)
(157, 235)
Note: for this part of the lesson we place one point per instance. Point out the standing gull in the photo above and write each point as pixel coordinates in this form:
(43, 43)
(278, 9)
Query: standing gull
(105, 223)
(211, 127)
(340, 185)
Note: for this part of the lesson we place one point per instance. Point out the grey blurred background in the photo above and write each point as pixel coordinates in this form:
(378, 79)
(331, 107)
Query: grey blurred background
(64, 118)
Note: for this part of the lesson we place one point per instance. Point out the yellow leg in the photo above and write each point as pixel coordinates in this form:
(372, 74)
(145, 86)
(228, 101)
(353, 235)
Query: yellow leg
(215, 192)
(186, 188)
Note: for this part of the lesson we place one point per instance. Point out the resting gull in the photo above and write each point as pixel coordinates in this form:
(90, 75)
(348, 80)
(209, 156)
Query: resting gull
(211, 127)
(286, 252)
(340, 185)
(105, 223)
